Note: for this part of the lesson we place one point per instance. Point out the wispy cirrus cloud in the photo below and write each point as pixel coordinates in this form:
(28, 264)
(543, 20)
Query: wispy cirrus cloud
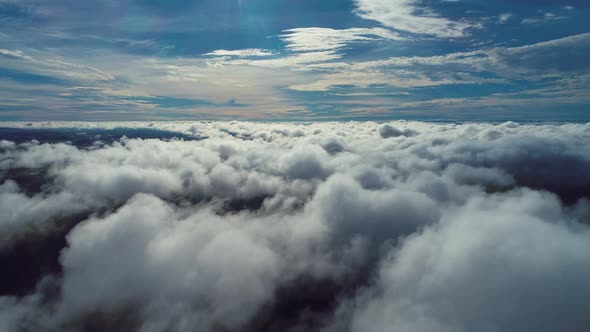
(54, 67)
(320, 39)
(412, 16)
(280, 56)
(252, 52)
(495, 65)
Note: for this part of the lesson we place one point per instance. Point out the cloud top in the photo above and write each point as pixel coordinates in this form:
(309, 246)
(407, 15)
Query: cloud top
(353, 226)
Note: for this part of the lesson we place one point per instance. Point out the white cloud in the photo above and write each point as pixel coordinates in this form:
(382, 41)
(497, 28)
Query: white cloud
(184, 272)
(410, 16)
(24, 214)
(319, 39)
(250, 52)
(240, 230)
(297, 61)
(547, 16)
(480, 267)
(503, 18)
(315, 48)
(558, 58)
(54, 67)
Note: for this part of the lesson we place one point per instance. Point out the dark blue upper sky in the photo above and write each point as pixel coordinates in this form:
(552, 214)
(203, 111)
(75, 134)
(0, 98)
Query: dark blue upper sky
(295, 60)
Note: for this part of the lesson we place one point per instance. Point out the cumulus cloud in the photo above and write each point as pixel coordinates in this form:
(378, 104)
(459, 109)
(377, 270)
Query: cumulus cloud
(387, 131)
(353, 226)
(182, 273)
(22, 213)
(500, 263)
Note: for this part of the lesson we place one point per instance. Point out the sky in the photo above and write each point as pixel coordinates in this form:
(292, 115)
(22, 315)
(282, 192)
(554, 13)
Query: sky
(307, 60)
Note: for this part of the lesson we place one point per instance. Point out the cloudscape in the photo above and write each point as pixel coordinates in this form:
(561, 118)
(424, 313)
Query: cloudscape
(294, 165)
(231, 226)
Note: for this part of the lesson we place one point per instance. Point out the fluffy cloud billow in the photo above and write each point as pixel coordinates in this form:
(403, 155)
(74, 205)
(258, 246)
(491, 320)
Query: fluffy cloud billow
(356, 226)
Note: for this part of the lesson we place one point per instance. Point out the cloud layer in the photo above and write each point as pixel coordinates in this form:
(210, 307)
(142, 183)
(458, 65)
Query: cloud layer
(352, 226)
(294, 60)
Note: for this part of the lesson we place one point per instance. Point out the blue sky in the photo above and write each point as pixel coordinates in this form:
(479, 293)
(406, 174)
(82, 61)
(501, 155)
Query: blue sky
(295, 60)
